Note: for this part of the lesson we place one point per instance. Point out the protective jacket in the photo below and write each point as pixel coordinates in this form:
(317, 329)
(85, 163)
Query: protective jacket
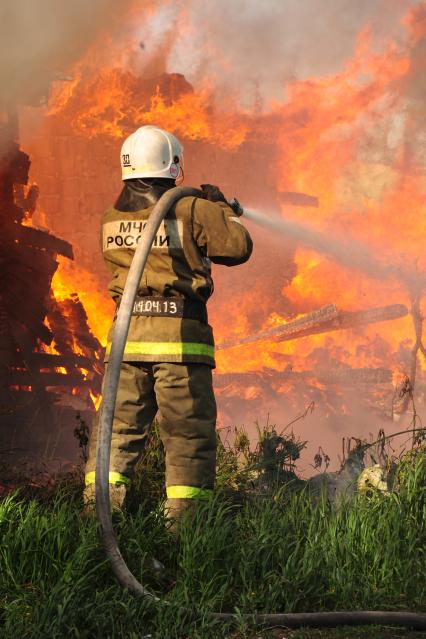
(169, 323)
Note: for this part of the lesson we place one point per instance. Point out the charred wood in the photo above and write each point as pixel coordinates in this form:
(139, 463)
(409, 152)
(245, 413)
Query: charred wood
(24, 378)
(291, 329)
(324, 320)
(41, 263)
(28, 263)
(342, 376)
(371, 316)
(298, 199)
(45, 241)
(69, 323)
(369, 376)
(20, 311)
(25, 344)
(51, 360)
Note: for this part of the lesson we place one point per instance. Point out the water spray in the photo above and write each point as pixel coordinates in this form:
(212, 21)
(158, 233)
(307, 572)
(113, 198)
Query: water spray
(103, 509)
(353, 254)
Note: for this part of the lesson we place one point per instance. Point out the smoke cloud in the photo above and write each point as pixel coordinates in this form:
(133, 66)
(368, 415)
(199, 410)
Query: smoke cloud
(40, 39)
(253, 48)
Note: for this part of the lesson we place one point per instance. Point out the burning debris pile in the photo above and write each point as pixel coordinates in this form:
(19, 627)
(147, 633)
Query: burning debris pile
(48, 355)
(324, 320)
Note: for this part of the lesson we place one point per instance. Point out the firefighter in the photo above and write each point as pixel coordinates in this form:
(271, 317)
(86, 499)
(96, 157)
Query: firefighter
(169, 355)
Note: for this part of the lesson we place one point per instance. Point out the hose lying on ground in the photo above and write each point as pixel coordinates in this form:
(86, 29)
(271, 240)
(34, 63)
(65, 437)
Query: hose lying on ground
(119, 567)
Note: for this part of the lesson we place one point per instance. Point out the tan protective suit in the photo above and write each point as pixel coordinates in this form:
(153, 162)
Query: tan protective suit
(169, 354)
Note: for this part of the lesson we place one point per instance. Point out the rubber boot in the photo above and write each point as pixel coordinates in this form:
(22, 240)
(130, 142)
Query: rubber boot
(175, 509)
(117, 494)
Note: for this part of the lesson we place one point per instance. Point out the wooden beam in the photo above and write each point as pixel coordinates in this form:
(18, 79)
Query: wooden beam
(341, 376)
(51, 360)
(324, 320)
(43, 240)
(24, 378)
(290, 329)
(298, 199)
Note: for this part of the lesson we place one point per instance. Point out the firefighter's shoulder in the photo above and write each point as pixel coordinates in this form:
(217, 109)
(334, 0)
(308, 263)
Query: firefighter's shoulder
(111, 214)
(185, 205)
(190, 207)
(190, 201)
(207, 210)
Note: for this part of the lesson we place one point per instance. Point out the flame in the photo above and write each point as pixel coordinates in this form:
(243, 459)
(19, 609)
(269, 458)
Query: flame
(119, 108)
(96, 399)
(325, 131)
(70, 279)
(78, 340)
(348, 138)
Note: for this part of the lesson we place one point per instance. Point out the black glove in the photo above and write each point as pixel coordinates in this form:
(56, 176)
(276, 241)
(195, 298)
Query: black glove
(236, 207)
(213, 193)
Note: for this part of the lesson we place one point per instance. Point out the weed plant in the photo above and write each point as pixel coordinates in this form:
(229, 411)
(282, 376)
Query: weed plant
(261, 545)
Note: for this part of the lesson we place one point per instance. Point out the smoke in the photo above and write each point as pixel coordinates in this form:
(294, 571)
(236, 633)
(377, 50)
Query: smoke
(40, 39)
(244, 49)
(252, 49)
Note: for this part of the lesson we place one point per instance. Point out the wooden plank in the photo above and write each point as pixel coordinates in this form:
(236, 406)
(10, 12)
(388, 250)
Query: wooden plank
(25, 345)
(34, 325)
(349, 376)
(290, 329)
(324, 320)
(341, 376)
(44, 240)
(295, 198)
(24, 378)
(35, 259)
(51, 360)
(372, 315)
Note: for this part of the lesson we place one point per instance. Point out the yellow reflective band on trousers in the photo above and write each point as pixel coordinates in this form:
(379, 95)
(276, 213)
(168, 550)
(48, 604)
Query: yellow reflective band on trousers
(188, 492)
(166, 348)
(114, 478)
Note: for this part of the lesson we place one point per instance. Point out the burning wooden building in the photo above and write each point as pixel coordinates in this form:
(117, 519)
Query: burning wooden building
(49, 359)
(339, 153)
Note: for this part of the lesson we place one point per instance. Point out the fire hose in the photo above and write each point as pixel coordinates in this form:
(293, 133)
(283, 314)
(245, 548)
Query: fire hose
(103, 511)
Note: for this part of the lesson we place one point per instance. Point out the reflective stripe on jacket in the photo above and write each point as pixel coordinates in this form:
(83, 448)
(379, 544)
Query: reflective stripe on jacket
(194, 232)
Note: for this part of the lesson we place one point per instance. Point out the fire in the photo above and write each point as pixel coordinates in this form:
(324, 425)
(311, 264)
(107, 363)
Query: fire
(96, 399)
(70, 279)
(123, 104)
(348, 138)
(324, 129)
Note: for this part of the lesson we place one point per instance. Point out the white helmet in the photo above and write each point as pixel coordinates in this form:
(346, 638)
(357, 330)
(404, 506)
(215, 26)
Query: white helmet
(151, 152)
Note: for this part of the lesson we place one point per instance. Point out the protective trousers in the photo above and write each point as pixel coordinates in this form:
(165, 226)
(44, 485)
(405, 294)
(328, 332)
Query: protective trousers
(183, 394)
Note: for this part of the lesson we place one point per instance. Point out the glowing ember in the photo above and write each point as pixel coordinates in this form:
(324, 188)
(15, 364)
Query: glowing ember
(96, 399)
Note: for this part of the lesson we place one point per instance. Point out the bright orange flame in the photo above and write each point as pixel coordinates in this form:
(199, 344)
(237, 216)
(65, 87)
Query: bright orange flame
(348, 138)
(69, 279)
(119, 102)
(325, 136)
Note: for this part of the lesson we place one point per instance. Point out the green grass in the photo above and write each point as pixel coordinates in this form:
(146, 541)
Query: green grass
(268, 550)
